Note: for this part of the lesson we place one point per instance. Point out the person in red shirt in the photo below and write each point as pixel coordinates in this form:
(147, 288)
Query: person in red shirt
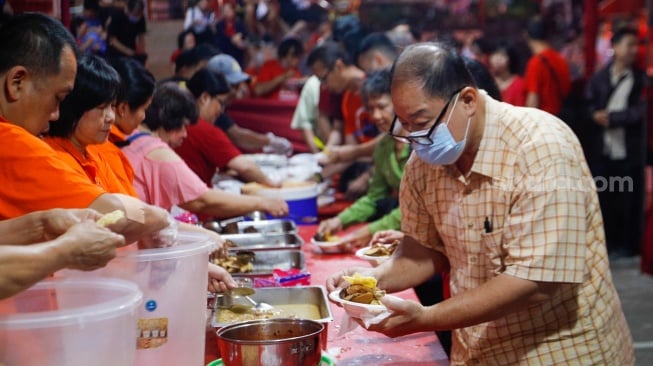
(206, 147)
(547, 78)
(275, 74)
(503, 65)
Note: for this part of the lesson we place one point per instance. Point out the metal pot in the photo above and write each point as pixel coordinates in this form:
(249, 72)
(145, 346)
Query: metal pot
(271, 342)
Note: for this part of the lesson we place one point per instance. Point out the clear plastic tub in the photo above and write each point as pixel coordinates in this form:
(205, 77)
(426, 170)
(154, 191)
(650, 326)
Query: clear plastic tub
(73, 322)
(171, 323)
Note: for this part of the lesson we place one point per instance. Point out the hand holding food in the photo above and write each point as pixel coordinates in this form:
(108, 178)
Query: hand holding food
(329, 226)
(382, 250)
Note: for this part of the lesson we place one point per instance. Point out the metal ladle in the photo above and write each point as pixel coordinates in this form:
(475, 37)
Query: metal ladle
(246, 292)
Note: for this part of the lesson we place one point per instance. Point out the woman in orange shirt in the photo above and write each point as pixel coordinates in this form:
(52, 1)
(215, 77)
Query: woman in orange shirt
(85, 119)
(134, 98)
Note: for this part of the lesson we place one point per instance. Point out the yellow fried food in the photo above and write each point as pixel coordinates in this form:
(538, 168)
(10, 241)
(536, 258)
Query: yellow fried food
(362, 289)
(357, 279)
(110, 218)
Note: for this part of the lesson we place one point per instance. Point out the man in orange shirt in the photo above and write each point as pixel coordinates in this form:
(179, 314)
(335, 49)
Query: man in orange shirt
(37, 71)
(547, 77)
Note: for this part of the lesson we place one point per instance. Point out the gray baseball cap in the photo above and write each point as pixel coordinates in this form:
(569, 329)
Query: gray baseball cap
(228, 66)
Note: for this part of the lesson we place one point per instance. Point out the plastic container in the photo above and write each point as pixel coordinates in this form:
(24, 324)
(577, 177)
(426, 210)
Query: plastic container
(170, 329)
(302, 202)
(72, 322)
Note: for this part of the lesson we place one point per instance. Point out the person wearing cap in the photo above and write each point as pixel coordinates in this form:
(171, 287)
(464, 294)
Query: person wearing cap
(206, 148)
(244, 138)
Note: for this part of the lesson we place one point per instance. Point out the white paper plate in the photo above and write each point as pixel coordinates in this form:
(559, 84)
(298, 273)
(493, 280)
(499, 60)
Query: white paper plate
(330, 247)
(355, 309)
(374, 260)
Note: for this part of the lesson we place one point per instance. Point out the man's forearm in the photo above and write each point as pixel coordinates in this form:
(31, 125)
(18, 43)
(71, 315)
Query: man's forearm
(25, 229)
(21, 266)
(494, 299)
(411, 265)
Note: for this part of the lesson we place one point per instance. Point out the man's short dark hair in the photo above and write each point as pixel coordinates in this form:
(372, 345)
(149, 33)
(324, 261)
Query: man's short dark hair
(205, 81)
(171, 106)
(537, 29)
(35, 41)
(377, 41)
(96, 84)
(622, 32)
(440, 70)
(137, 82)
(328, 53)
(290, 46)
(187, 58)
(376, 85)
(482, 77)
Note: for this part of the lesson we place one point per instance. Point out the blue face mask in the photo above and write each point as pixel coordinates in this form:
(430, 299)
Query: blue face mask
(134, 19)
(444, 150)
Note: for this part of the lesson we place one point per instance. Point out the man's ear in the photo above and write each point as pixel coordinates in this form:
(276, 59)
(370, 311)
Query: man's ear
(469, 96)
(338, 64)
(15, 82)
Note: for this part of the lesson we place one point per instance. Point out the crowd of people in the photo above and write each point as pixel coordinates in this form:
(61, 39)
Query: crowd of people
(429, 141)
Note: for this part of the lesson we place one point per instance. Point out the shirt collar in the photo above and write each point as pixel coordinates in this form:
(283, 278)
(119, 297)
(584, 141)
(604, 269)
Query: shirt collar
(487, 162)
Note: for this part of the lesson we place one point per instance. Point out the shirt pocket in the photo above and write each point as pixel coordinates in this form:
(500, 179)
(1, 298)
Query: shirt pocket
(495, 252)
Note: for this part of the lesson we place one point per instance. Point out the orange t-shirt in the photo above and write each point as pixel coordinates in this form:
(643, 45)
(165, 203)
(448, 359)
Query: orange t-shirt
(356, 119)
(117, 161)
(539, 79)
(96, 169)
(35, 178)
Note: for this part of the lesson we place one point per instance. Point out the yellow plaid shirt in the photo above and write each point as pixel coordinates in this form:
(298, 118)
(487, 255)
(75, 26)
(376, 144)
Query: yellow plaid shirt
(530, 180)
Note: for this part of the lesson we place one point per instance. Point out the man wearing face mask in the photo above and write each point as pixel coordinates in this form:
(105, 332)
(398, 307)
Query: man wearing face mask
(126, 32)
(502, 198)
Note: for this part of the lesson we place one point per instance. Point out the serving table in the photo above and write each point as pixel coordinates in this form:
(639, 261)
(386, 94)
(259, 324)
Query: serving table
(359, 346)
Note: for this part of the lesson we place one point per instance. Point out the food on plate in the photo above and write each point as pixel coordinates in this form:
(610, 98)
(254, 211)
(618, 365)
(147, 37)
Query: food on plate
(382, 250)
(241, 262)
(110, 218)
(250, 229)
(231, 228)
(326, 237)
(362, 289)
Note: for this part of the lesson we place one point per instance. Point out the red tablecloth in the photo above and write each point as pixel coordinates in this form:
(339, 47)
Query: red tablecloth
(268, 115)
(361, 347)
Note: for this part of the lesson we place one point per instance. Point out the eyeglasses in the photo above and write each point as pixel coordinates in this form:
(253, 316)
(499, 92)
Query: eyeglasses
(420, 137)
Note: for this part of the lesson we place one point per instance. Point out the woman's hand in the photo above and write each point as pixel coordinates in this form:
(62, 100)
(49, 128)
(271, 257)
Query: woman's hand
(219, 279)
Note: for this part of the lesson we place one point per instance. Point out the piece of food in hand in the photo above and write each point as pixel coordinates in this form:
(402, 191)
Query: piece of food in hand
(110, 218)
(382, 250)
(362, 289)
(326, 237)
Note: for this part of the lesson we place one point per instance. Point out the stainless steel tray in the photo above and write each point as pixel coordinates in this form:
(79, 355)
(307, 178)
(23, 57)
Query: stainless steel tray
(286, 296)
(267, 260)
(260, 241)
(268, 227)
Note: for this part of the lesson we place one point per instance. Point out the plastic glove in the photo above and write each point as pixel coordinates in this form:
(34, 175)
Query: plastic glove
(277, 145)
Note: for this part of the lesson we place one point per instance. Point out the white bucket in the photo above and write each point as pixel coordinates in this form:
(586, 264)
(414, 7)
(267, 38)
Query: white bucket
(171, 322)
(72, 322)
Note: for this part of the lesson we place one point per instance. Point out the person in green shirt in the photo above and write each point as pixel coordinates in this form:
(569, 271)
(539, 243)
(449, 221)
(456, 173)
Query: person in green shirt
(379, 208)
